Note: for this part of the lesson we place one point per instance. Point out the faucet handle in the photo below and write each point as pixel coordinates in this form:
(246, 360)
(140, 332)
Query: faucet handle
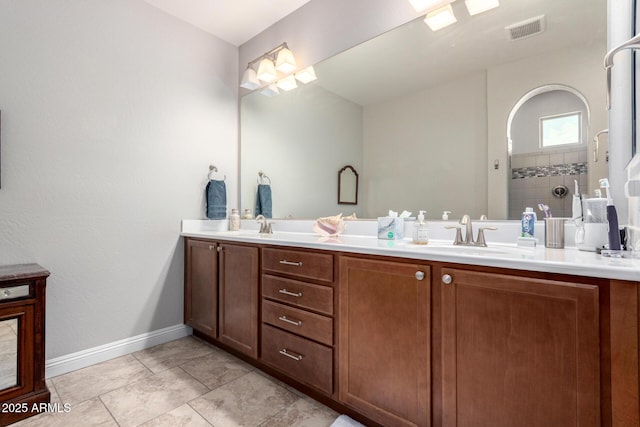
(458, 239)
(480, 241)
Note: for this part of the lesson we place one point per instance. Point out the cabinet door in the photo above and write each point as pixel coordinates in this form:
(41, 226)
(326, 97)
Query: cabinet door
(384, 349)
(201, 291)
(16, 358)
(239, 298)
(518, 351)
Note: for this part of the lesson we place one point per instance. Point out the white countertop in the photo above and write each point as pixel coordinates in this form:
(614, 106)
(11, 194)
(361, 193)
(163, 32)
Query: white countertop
(498, 254)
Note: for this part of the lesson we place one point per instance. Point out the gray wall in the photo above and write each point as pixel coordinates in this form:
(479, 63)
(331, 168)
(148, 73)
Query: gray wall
(112, 112)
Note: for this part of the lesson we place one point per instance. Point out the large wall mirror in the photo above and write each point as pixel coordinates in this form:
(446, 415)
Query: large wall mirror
(422, 115)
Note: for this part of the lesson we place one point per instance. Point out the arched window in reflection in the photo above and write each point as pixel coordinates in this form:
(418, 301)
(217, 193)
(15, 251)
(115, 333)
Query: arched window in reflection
(548, 140)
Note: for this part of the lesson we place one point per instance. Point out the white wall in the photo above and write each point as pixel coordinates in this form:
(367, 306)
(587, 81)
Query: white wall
(423, 136)
(112, 112)
(307, 123)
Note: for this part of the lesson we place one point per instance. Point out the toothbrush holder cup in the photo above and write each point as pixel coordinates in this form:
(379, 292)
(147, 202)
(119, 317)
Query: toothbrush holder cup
(554, 232)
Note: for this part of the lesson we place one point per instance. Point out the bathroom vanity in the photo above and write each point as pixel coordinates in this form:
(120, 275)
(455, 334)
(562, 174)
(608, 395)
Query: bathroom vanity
(399, 335)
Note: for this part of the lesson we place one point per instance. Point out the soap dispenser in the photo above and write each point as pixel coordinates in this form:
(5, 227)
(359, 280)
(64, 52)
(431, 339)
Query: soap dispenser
(420, 230)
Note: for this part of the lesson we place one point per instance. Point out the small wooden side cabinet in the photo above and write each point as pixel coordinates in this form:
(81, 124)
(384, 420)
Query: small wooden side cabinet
(23, 391)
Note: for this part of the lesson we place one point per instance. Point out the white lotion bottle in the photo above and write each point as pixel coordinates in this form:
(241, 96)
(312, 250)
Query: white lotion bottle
(420, 230)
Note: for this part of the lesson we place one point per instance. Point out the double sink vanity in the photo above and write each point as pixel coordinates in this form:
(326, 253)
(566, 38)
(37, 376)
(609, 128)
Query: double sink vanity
(397, 334)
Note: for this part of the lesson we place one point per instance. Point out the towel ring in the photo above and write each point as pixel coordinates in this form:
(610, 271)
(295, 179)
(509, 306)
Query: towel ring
(212, 170)
(261, 177)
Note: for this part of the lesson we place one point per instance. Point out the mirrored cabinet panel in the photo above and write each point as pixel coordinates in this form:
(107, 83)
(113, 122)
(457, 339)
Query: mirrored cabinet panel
(8, 353)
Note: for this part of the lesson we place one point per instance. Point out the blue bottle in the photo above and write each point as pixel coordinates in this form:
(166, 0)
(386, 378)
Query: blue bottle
(528, 223)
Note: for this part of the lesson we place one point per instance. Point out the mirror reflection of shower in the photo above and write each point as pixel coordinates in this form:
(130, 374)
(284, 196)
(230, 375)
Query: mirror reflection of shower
(548, 139)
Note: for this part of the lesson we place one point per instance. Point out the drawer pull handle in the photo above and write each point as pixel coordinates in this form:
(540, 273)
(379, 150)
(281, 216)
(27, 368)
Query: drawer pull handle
(293, 322)
(296, 357)
(293, 294)
(294, 263)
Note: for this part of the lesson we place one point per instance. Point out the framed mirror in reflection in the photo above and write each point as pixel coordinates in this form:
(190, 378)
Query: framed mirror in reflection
(347, 186)
(423, 115)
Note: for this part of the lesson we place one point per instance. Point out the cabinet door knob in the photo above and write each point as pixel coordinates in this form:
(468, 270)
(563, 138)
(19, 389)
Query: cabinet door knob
(219, 248)
(447, 279)
(420, 275)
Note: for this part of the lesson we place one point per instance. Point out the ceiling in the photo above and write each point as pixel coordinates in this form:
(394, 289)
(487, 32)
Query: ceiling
(413, 57)
(234, 21)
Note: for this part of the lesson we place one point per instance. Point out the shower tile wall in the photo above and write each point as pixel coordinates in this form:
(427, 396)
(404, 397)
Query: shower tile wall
(534, 175)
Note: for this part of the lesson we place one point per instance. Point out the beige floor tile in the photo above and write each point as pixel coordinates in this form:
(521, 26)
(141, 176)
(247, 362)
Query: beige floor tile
(98, 379)
(172, 354)
(304, 412)
(182, 416)
(89, 413)
(55, 398)
(216, 368)
(247, 401)
(150, 397)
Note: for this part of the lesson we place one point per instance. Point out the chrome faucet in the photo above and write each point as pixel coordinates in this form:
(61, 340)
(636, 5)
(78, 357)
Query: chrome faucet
(265, 227)
(468, 237)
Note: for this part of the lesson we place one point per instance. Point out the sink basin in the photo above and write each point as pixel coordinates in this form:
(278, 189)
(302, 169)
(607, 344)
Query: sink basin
(449, 248)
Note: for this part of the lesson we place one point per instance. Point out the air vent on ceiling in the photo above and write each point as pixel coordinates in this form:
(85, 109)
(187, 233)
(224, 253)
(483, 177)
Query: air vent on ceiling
(526, 28)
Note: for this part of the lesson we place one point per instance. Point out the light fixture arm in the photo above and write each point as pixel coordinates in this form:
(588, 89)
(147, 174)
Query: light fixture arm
(632, 43)
(270, 54)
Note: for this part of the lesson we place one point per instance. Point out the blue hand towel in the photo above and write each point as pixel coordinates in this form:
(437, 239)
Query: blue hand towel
(216, 193)
(263, 201)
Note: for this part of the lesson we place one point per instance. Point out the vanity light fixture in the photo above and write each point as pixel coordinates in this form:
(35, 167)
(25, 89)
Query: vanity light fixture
(250, 79)
(440, 18)
(270, 90)
(306, 75)
(267, 71)
(478, 6)
(285, 62)
(288, 83)
(275, 70)
(440, 13)
(422, 5)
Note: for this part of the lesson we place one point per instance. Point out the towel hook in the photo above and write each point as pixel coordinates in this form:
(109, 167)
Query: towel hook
(212, 170)
(261, 177)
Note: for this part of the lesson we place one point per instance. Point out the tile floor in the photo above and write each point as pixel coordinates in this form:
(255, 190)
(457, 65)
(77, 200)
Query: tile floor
(186, 382)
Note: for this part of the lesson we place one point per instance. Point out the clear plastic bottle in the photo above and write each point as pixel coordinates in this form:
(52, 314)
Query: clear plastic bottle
(234, 220)
(420, 230)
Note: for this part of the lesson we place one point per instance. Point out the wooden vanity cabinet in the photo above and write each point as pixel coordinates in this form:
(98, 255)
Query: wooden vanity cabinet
(221, 293)
(238, 293)
(517, 351)
(22, 362)
(201, 287)
(384, 340)
(297, 316)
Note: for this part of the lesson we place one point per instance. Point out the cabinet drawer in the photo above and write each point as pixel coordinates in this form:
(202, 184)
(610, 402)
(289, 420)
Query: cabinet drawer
(301, 294)
(309, 265)
(15, 291)
(314, 326)
(303, 360)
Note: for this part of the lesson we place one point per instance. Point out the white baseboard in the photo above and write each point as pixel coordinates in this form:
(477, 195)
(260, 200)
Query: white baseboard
(82, 359)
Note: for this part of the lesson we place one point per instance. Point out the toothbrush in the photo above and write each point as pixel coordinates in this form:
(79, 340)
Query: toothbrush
(576, 207)
(612, 218)
(545, 208)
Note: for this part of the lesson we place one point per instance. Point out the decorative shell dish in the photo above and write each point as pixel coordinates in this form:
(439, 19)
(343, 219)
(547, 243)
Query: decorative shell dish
(329, 225)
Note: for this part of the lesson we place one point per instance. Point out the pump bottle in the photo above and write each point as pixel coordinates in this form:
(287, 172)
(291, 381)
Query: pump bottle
(420, 230)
